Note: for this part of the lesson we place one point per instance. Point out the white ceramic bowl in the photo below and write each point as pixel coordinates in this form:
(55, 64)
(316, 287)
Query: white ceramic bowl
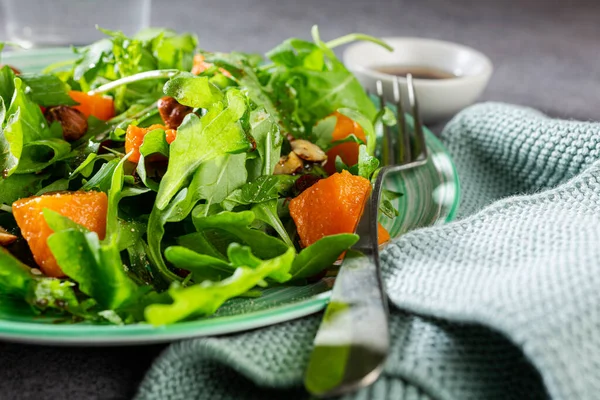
(438, 99)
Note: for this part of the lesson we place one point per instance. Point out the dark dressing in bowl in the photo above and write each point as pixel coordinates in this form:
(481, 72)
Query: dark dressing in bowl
(416, 71)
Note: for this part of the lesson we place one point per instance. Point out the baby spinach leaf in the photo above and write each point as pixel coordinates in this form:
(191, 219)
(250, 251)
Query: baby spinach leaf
(201, 266)
(200, 242)
(47, 90)
(264, 188)
(265, 131)
(321, 255)
(199, 140)
(216, 179)
(237, 224)
(56, 186)
(205, 298)
(16, 187)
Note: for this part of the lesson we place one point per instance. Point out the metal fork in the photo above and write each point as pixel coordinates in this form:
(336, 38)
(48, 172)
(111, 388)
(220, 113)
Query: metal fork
(353, 340)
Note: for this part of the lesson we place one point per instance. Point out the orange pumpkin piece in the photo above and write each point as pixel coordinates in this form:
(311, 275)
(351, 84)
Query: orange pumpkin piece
(331, 206)
(101, 107)
(348, 151)
(134, 137)
(85, 208)
(200, 65)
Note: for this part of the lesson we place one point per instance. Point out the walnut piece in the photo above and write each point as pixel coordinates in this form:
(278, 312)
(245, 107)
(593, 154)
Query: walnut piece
(288, 165)
(172, 112)
(73, 122)
(308, 151)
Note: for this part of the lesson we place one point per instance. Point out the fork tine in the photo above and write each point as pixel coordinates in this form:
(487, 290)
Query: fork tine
(387, 155)
(404, 153)
(421, 147)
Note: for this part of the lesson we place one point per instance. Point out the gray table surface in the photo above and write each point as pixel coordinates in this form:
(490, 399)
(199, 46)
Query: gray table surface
(546, 55)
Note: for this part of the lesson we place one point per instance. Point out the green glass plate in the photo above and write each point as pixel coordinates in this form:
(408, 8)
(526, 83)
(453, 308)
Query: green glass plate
(431, 196)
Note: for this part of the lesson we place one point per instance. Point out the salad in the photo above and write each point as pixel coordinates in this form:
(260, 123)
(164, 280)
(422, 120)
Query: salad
(148, 180)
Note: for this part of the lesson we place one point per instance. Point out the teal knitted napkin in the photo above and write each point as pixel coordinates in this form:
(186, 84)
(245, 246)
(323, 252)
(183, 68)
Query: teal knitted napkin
(502, 304)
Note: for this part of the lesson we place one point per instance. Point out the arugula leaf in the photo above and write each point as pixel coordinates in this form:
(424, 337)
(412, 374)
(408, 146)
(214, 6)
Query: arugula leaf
(91, 61)
(243, 69)
(205, 298)
(27, 142)
(47, 90)
(199, 140)
(267, 212)
(386, 207)
(317, 81)
(268, 139)
(264, 188)
(367, 164)
(102, 179)
(241, 256)
(193, 91)
(7, 86)
(237, 224)
(321, 255)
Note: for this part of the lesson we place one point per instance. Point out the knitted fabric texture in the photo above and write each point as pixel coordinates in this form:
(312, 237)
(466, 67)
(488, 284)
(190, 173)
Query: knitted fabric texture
(504, 303)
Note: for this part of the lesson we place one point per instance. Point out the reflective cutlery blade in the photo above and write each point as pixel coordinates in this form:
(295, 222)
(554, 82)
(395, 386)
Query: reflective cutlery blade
(353, 340)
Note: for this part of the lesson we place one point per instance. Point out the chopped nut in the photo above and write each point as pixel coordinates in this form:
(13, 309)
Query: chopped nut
(6, 238)
(172, 112)
(288, 165)
(308, 151)
(73, 122)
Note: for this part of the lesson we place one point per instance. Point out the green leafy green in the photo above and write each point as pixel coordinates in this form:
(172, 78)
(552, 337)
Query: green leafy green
(237, 224)
(265, 131)
(267, 212)
(199, 140)
(201, 266)
(264, 188)
(47, 90)
(16, 187)
(193, 91)
(367, 164)
(321, 255)
(205, 298)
